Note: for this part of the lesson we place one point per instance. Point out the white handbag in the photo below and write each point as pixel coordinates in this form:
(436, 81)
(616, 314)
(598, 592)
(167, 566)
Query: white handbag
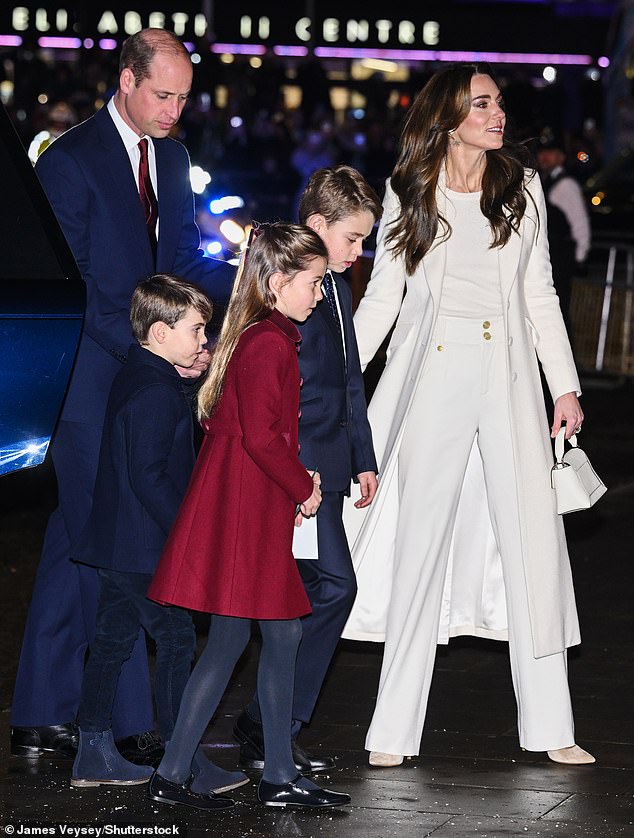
(577, 485)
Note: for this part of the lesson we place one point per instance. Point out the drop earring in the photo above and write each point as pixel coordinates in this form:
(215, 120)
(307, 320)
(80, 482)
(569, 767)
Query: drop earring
(453, 140)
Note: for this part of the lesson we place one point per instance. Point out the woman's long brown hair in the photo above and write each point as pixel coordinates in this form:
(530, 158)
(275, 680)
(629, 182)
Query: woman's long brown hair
(287, 248)
(440, 107)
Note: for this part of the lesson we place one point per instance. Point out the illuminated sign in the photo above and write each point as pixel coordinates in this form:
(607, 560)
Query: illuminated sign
(108, 22)
(437, 25)
(329, 30)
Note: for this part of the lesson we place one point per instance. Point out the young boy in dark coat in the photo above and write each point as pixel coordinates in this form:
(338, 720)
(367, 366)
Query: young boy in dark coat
(146, 459)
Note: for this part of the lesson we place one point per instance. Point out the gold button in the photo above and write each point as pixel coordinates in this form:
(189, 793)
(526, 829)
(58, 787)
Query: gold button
(486, 325)
(487, 335)
(439, 348)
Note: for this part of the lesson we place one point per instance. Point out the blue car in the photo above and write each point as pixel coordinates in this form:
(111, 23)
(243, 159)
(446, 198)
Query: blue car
(42, 302)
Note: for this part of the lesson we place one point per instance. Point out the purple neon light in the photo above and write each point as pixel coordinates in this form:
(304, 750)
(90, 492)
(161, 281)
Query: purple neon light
(450, 55)
(239, 49)
(288, 50)
(59, 43)
(107, 43)
(10, 41)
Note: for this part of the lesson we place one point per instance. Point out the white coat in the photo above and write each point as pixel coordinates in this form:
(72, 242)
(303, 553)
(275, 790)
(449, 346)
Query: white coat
(473, 599)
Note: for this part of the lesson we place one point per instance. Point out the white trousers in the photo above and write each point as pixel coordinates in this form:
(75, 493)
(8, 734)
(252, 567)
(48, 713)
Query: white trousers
(463, 394)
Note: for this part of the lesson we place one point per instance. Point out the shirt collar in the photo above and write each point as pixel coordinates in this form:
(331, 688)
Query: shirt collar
(129, 137)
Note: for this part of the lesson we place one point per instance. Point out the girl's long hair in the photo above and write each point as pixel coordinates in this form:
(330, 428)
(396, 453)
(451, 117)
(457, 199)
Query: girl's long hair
(287, 248)
(440, 107)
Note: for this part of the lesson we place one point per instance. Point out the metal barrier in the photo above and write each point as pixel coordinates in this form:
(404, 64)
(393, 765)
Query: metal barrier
(601, 311)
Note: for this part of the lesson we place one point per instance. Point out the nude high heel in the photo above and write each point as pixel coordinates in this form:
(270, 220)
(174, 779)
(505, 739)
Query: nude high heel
(381, 760)
(574, 755)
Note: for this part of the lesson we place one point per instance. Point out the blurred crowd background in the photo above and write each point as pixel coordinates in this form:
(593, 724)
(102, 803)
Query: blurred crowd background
(263, 115)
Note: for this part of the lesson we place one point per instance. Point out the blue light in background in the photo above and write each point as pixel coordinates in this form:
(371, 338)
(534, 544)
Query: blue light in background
(214, 248)
(219, 205)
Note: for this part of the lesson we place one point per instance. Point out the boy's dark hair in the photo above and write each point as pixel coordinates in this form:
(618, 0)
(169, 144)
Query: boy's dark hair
(166, 298)
(336, 193)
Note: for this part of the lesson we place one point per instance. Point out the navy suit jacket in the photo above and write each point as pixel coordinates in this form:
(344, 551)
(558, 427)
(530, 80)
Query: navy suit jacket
(145, 462)
(88, 179)
(334, 432)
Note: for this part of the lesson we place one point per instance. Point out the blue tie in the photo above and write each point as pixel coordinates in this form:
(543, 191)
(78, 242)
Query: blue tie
(329, 293)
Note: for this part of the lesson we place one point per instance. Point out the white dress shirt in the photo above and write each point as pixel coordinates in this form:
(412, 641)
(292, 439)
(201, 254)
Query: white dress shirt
(567, 196)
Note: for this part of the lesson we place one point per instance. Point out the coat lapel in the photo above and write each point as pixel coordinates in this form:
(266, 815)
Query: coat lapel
(509, 261)
(168, 196)
(120, 182)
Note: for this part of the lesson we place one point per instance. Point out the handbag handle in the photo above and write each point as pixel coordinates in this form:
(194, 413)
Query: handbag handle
(559, 445)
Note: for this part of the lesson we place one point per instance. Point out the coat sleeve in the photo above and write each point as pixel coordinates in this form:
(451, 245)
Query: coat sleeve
(261, 388)
(363, 458)
(381, 303)
(151, 417)
(215, 277)
(70, 195)
(552, 344)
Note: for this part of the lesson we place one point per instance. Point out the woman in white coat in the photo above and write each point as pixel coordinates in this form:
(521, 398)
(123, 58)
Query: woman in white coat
(463, 537)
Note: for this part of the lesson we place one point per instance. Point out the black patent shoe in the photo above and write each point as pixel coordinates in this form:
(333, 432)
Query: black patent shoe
(177, 794)
(142, 749)
(290, 794)
(248, 732)
(49, 741)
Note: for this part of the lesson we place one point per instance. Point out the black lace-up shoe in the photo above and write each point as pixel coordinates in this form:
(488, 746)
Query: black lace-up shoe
(248, 732)
(49, 741)
(142, 748)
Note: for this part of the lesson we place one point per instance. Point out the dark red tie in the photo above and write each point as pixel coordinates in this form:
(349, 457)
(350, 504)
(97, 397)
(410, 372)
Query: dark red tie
(148, 198)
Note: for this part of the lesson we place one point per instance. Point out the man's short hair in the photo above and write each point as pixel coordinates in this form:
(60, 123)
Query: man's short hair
(138, 51)
(165, 298)
(337, 192)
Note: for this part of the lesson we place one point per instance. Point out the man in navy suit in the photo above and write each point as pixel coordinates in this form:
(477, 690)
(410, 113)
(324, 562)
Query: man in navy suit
(335, 439)
(120, 189)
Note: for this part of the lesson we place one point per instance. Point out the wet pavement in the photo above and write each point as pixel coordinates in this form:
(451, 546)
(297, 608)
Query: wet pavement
(471, 778)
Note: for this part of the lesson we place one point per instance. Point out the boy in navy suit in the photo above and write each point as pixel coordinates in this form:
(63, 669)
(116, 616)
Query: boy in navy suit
(146, 459)
(335, 438)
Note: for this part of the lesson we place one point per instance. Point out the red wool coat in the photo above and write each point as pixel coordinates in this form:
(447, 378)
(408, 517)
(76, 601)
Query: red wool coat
(229, 551)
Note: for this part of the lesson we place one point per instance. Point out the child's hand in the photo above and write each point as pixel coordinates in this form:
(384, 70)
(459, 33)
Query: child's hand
(311, 505)
(368, 484)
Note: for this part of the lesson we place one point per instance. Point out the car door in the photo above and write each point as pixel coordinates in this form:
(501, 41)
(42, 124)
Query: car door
(42, 300)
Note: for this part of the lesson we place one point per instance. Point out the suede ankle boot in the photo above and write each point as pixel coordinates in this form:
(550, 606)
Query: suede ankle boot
(98, 762)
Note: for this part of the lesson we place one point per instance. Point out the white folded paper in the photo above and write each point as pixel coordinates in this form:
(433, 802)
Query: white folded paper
(305, 539)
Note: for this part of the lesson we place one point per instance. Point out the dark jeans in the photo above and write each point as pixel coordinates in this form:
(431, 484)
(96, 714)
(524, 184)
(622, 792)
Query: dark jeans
(123, 609)
(61, 621)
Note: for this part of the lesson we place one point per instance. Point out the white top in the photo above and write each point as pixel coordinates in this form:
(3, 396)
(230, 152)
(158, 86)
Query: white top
(131, 140)
(471, 285)
(567, 196)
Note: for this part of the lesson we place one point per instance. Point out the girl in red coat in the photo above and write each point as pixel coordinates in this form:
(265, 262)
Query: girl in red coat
(229, 552)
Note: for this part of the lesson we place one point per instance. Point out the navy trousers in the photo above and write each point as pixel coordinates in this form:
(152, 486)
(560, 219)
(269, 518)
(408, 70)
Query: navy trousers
(123, 609)
(61, 620)
(331, 587)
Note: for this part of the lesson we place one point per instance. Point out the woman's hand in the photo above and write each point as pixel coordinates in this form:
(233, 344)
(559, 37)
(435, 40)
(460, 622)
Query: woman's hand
(568, 410)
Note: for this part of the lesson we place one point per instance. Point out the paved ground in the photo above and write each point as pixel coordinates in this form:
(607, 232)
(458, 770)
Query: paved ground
(471, 779)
